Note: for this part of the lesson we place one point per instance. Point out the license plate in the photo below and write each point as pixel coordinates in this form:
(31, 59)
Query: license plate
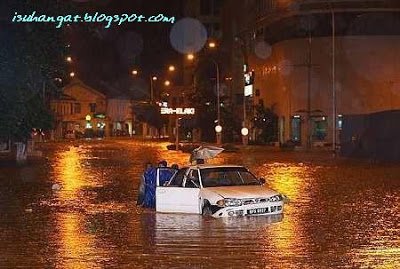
(256, 211)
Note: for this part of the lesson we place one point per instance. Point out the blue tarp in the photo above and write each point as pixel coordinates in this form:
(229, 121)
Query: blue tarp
(150, 177)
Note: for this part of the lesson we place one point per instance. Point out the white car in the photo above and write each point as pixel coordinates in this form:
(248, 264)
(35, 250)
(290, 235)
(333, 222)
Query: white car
(219, 191)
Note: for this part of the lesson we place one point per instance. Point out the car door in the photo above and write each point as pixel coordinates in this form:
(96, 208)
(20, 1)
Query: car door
(180, 195)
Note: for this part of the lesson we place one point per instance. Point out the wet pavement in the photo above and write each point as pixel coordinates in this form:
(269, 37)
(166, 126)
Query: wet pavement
(341, 214)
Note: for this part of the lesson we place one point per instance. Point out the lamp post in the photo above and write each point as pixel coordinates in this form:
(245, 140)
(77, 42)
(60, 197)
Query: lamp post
(244, 51)
(219, 134)
(213, 45)
(152, 78)
(333, 86)
(177, 133)
(191, 57)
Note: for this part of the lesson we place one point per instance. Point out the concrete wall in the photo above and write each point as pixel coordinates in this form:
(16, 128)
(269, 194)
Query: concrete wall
(367, 76)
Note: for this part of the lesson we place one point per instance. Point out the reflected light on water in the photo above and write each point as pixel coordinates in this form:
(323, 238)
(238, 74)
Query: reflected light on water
(378, 257)
(291, 180)
(76, 246)
(70, 173)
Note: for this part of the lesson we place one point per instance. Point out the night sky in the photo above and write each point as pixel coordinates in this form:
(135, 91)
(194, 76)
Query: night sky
(104, 58)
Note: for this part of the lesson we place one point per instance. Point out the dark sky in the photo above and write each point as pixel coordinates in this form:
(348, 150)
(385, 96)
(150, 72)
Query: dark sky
(104, 58)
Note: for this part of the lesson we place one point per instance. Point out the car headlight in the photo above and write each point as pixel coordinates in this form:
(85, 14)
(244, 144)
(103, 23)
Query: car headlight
(275, 198)
(229, 202)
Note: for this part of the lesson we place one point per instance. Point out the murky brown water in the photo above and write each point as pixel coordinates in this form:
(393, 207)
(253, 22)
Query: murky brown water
(341, 214)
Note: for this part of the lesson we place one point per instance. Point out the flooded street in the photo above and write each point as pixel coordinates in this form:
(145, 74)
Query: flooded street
(341, 214)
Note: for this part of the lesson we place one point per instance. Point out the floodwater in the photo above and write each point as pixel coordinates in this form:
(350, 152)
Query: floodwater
(341, 214)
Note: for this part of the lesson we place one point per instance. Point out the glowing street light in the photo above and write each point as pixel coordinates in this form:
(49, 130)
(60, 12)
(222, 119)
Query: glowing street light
(135, 72)
(212, 44)
(72, 74)
(244, 131)
(69, 59)
(190, 56)
(171, 68)
(152, 78)
(167, 83)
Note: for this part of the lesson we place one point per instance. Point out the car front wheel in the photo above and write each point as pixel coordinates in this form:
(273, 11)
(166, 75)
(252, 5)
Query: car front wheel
(206, 210)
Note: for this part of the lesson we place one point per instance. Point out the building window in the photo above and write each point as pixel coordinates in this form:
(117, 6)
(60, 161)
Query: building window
(339, 124)
(296, 128)
(92, 107)
(77, 108)
(320, 128)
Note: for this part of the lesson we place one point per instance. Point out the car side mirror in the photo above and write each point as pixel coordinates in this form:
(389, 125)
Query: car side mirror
(262, 180)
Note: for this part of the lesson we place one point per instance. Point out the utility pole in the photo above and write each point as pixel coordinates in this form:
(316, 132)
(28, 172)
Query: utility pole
(309, 65)
(177, 133)
(333, 87)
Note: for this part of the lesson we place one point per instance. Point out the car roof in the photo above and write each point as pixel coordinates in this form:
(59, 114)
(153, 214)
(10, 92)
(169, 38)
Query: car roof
(206, 166)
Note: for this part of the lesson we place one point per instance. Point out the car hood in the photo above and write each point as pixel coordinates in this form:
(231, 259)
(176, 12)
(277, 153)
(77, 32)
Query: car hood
(241, 192)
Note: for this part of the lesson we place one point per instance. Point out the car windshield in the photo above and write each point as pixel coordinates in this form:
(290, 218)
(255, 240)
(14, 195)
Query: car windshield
(227, 176)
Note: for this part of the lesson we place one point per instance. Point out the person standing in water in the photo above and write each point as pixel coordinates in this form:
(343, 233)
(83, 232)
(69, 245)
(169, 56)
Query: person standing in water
(142, 184)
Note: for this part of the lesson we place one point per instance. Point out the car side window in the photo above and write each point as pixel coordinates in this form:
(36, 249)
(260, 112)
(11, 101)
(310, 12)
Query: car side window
(192, 180)
(177, 180)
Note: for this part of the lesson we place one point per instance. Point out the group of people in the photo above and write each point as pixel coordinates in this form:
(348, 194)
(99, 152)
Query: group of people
(148, 182)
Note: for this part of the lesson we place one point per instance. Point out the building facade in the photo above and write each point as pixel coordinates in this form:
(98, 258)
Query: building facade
(315, 61)
(80, 112)
(120, 113)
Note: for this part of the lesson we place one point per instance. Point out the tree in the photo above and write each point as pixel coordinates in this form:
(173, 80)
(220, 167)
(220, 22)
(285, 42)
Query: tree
(30, 60)
(203, 99)
(266, 121)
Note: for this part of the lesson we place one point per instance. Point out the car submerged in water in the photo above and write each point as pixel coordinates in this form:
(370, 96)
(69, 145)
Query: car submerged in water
(217, 191)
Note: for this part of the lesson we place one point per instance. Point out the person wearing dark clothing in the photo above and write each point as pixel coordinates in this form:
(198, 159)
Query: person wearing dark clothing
(175, 166)
(150, 178)
(151, 183)
(141, 190)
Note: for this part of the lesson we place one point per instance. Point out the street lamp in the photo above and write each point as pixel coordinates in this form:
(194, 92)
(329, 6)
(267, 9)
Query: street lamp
(167, 83)
(190, 56)
(212, 44)
(69, 59)
(171, 68)
(219, 135)
(134, 72)
(72, 74)
(152, 78)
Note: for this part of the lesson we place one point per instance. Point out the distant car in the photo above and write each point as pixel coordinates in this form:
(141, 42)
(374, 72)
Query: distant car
(218, 191)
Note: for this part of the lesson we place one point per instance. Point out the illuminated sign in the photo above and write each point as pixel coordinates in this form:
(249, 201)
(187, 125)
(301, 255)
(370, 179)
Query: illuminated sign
(100, 116)
(248, 90)
(249, 78)
(248, 83)
(177, 111)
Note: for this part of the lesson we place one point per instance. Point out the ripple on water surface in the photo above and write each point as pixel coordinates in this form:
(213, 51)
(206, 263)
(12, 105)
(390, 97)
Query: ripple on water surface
(339, 215)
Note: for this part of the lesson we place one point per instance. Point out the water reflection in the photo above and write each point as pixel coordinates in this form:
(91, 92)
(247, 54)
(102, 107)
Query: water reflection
(70, 173)
(289, 237)
(77, 248)
(340, 215)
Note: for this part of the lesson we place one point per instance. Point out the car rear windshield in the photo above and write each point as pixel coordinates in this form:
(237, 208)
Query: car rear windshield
(227, 176)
